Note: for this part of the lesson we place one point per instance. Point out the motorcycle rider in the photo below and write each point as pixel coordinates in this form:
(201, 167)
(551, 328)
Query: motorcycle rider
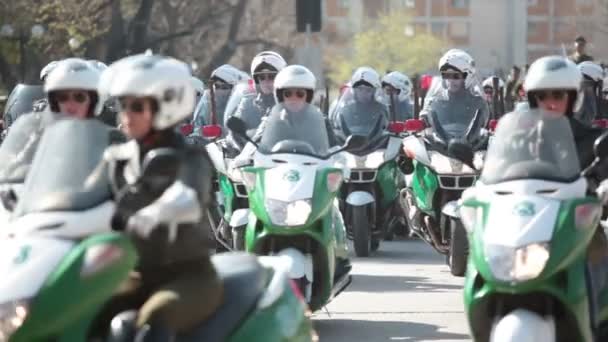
(174, 287)
(364, 87)
(592, 75)
(458, 89)
(553, 83)
(488, 92)
(400, 86)
(71, 90)
(295, 118)
(264, 68)
(223, 80)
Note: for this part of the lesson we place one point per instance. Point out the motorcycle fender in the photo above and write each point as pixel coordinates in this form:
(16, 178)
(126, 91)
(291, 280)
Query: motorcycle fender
(299, 265)
(359, 198)
(451, 209)
(239, 218)
(523, 325)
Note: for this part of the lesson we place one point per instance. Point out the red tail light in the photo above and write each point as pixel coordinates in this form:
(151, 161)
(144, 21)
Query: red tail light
(414, 125)
(211, 131)
(492, 125)
(186, 129)
(396, 127)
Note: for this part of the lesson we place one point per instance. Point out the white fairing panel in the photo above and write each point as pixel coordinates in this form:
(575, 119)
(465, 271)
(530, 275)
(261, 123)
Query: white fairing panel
(77, 224)
(290, 177)
(517, 220)
(532, 187)
(217, 157)
(26, 263)
(392, 150)
(414, 145)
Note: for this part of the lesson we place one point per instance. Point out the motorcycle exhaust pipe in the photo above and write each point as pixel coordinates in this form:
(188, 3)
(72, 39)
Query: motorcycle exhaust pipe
(437, 244)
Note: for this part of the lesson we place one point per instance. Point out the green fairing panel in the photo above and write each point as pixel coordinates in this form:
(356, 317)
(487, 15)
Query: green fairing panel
(78, 296)
(424, 185)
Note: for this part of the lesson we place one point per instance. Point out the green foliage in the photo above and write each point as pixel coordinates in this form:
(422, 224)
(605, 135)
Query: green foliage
(385, 46)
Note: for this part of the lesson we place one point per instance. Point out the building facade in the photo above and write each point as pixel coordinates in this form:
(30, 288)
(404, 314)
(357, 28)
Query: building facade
(498, 33)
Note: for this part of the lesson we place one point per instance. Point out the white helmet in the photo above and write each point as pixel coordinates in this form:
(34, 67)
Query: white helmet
(295, 76)
(99, 65)
(399, 81)
(489, 82)
(267, 58)
(459, 60)
(592, 70)
(199, 86)
(555, 72)
(366, 74)
(228, 74)
(73, 73)
(47, 69)
(167, 80)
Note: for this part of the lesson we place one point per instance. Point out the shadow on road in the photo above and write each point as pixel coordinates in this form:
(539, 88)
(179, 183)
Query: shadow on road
(386, 283)
(404, 252)
(338, 330)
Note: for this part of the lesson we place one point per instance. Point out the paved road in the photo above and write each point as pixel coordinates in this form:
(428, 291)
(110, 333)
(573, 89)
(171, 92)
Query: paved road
(403, 293)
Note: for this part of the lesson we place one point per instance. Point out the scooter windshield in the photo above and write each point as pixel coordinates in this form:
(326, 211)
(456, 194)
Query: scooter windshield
(302, 132)
(452, 120)
(531, 144)
(239, 91)
(21, 101)
(69, 152)
(354, 117)
(16, 158)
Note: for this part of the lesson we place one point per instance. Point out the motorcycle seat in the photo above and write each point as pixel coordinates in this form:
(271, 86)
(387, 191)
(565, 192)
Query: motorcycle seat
(244, 280)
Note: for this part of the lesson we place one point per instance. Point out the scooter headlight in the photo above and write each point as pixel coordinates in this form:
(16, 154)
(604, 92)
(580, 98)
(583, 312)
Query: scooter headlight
(12, 316)
(517, 264)
(288, 213)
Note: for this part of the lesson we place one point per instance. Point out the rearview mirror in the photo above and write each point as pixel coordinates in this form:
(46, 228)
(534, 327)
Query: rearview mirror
(600, 147)
(211, 131)
(160, 167)
(237, 126)
(462, 151)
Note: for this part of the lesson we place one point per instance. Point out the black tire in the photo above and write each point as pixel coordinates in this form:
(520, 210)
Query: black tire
(361, 231)
(459, 248)
(375, 244)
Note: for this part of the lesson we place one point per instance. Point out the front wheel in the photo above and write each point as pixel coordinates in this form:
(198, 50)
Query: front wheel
(459, 248)
(361, 232)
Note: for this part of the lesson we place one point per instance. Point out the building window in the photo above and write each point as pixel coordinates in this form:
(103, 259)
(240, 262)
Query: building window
(438, 29)
(460, 3)
(532, 28)
(459, 29)
(532, 2)
(344, 3)
(408, 3)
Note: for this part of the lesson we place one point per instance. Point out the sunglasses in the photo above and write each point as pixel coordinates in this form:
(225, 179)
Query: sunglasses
(551, 94)
(222, 86)
(264, 77)
(391, 90)
(80, 97)
(488, 91)
(452, 75)
(134, 106)
(297, 93)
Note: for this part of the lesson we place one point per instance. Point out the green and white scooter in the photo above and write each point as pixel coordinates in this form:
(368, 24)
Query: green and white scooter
(61, 262)
(445, 160)
(530, 220)
(294, 212)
